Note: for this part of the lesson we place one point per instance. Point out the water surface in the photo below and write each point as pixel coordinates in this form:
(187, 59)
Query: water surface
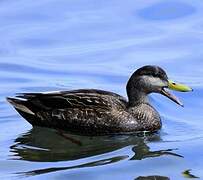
(56, 45)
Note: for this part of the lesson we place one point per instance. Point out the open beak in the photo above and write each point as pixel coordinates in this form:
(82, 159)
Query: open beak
(177, 87)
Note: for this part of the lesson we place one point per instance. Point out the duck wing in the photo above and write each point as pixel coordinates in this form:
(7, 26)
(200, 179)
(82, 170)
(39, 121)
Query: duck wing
(83, 98)
(88, 110)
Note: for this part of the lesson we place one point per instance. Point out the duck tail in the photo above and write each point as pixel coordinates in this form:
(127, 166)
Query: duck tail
(20, 105)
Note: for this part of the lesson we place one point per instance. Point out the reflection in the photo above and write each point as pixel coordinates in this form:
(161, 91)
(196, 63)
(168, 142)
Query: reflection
(91, 164)
(187, 174)
(142, 153)
(152, 178)
(48, 145)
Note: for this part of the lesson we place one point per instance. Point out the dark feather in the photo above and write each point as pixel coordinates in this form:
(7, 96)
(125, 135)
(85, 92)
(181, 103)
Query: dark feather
(89, 98)
(92, 111)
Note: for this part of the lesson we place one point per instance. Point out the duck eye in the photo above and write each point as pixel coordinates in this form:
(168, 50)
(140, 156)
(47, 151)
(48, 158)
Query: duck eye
(156, 75)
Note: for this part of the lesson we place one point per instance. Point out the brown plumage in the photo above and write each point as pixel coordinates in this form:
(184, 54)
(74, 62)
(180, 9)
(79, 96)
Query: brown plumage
(91, 111)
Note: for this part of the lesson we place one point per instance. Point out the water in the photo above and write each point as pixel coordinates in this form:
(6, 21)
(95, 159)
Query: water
(56, 45)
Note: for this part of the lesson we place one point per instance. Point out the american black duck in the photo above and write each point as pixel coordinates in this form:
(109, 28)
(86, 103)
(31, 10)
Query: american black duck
(92, 111)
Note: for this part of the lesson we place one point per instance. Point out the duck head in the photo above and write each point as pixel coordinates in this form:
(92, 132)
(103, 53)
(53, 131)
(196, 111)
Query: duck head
(152, 79)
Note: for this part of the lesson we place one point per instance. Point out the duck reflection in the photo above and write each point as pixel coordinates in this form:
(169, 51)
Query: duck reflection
(47, 145)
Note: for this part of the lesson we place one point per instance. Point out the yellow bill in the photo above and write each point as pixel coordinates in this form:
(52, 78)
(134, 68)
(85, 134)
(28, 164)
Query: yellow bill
(178, 87)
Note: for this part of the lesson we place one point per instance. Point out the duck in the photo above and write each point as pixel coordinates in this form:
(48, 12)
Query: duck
(100, 112)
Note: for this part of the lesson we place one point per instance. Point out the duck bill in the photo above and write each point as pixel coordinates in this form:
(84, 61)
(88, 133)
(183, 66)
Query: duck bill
(171, 96)
(177, 87)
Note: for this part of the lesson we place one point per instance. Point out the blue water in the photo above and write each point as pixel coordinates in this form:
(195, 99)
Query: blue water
(59, 44)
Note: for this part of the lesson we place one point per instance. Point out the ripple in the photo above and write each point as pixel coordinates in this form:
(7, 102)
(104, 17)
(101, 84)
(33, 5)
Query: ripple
(56, 45)
(14, 80)
(21, 68)
(166, 11)
(91, 164)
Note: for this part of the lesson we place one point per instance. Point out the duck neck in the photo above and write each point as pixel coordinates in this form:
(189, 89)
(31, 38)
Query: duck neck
(136, 94)
(135, 98)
